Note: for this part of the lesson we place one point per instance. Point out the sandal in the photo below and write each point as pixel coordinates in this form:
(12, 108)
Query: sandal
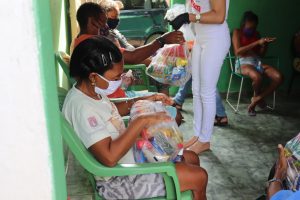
(178, 106)
(252, 113)
(221, 121)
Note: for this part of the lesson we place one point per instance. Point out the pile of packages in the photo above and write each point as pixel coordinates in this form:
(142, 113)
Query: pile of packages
(171, 65)
(158, 143)
(292, 153)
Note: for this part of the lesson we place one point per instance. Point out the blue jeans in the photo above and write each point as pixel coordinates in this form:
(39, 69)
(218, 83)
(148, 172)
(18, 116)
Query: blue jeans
(180, 96)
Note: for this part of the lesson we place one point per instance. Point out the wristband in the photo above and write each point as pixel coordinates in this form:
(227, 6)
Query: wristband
(275, 180)
(161, 41)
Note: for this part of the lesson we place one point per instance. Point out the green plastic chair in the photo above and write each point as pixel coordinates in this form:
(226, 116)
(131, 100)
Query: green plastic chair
(232, 60)
(93, 167)
(142, 81)
(61, 58)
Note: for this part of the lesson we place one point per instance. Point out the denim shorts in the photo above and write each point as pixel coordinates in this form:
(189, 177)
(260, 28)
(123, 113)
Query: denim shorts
(253, 61)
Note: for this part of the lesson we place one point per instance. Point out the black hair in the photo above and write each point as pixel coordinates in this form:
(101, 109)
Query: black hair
(249, 16)
(96, 54)
(87, 10)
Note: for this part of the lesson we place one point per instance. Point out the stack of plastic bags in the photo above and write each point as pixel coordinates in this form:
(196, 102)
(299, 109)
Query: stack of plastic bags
(158, 143)
(171, 64)
(292, 153)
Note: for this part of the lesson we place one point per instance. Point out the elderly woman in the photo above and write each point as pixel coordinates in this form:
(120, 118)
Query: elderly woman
(98, 64)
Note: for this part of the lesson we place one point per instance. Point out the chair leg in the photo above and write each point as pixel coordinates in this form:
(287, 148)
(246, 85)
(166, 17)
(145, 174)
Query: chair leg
(236, 107)
(274, 102)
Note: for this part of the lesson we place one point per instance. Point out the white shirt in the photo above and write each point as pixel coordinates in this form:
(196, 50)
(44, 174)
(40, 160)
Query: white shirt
(206, 30)
(93, 120)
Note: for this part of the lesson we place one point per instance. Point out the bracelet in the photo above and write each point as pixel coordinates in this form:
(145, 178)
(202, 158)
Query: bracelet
(275, 180)
(161, 41)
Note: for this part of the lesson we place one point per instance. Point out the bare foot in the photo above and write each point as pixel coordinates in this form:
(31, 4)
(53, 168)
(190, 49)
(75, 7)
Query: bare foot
(190, 142)
(251, 107)
(199, 147)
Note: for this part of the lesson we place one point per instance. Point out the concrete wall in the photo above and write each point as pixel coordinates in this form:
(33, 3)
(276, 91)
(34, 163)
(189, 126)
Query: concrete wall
(25, 168)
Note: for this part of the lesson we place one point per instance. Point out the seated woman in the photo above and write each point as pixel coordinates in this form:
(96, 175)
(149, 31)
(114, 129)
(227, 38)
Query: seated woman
(98, 64)
(249, 48)
(112, 9)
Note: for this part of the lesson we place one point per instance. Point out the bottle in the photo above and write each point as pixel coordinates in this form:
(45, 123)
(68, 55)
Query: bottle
(179, 156)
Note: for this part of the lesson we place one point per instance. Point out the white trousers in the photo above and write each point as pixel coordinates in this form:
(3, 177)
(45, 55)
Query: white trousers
(207, 59)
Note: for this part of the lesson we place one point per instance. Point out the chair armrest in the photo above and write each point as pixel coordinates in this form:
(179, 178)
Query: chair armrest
(117, 100)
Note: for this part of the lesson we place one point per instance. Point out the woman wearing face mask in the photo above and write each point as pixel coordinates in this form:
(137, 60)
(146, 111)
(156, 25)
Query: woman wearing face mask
(249, 48)
(208, 18)
(112, 9)
(98, 64)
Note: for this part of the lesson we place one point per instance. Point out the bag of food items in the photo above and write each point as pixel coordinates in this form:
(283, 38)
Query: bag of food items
(292, 153)
(171, 65)
(158, 143)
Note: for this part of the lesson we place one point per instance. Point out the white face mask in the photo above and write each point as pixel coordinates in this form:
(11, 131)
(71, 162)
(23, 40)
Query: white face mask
(112, 86)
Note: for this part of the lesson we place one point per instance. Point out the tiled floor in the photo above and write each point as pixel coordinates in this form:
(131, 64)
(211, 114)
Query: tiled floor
(241, 154)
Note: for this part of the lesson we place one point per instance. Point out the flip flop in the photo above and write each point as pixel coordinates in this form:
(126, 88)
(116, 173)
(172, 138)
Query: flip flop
(219, 122)
(252, 113)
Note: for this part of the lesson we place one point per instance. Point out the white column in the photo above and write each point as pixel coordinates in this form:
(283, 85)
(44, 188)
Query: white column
(25, 168)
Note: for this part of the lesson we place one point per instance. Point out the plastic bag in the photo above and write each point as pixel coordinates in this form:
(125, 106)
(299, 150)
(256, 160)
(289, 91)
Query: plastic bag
(176, 10)
(171, 65)
(188, 35)
(292, 153)
(158, 143)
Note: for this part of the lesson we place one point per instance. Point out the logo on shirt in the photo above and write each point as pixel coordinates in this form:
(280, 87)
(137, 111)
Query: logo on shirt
(93, 121)
(195, 5)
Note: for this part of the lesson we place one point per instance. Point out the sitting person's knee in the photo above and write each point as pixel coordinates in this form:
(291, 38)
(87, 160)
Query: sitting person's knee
(278, 77)
(191, 157)
(256, 77)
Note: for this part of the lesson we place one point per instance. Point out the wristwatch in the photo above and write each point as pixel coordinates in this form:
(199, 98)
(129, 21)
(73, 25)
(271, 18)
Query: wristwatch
(161, 41)
(198, 17)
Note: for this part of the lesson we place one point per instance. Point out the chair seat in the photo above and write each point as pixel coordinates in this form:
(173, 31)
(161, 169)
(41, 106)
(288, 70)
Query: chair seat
(240, 75)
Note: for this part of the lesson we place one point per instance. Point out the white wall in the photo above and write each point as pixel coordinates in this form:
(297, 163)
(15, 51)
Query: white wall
(25, 171)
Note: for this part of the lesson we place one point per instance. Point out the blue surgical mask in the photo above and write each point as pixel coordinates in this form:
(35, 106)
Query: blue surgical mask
(249, 32)
(112, 86)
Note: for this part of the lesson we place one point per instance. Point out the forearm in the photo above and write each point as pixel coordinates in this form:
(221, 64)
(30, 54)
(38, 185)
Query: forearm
(120, 146)
(242, 50)
(211, 17)
(141, 53)
(125, 106)
(215, 16)
(275, 186)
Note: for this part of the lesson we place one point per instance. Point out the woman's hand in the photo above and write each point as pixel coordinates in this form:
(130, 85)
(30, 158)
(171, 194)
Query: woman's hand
(281, 166)
(163, 98)
(174, 37)
(180, 20)
(265, 40)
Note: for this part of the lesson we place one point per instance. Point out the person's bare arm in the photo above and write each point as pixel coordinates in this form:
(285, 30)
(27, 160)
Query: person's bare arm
(238, 49)
(109, 152)
(125, 106)
(215, 16)
(280, 173)
(139, 54)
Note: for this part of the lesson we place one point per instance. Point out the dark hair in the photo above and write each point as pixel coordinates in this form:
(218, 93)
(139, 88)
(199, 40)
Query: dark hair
(249, 16)
(87, 10)
(96, 54)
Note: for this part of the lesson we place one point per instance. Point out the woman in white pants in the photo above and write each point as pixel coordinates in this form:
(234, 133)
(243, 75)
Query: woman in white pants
(211, 46)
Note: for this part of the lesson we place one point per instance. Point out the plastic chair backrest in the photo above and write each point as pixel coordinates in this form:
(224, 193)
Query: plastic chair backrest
(141, 81)
(63, 60)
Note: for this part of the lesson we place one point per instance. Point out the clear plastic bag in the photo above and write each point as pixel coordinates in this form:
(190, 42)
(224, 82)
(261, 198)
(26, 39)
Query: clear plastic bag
(158, 143)
(171, 65)
(292, 153)
(189, 35)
